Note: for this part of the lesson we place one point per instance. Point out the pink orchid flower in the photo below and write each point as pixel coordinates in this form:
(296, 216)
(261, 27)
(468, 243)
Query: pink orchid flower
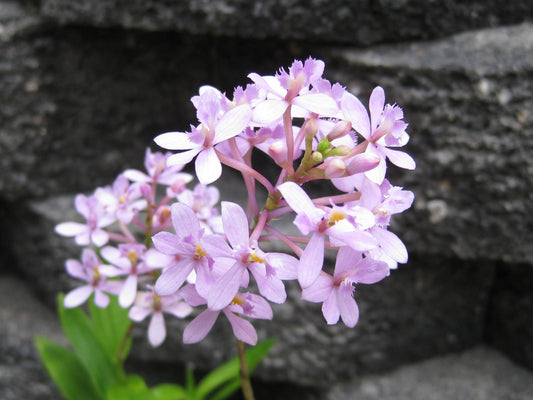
(385, 128)
(217, 125)
(336, 292)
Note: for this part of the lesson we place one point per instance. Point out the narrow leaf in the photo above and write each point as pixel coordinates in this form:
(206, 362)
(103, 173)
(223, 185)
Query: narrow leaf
(87, 347)
(66, 370)
(110, 326)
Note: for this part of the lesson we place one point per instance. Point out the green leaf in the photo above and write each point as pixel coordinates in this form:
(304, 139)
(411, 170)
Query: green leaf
(229, 372)
(132, 387)
(66, 370)
(87, 347)
(227, 390)
(169, 391)
(110, 326)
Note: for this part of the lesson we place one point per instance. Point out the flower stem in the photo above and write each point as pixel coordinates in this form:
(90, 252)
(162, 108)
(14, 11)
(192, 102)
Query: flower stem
(121, 356)
(246, 384)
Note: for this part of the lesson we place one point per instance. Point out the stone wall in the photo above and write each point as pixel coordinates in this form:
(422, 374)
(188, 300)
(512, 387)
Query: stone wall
(86, 85)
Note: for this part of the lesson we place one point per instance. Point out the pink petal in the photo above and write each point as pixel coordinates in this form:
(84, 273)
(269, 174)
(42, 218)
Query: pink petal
(232, 123)
(110, 270)
(128, 292)
(156, 329)
(172, 278)
(347, 306)
(391, 244)
(215, 246)
(156, 259)
(207, 166)
(175, 141)
(318, 103)
(376, 104)
(75, 269)
(199, 327)
(311, 261)
(101, 299)
(347, 258)
(357, 240)
(242, 329)
(300, 202)
(179, 309)
(236, 225)
(113, 255)
(376, 174)
(99, 237)
(356, 113)
(400, 159)
(369, 271)
(136, 176)
(330, 309)
(166, 243)
(225, 288)
(70, 228)
(260, 308)
(286, 266)
(320, 290)
(269, 286)
(184, 157)
(137, 313)
(77, 296)
(184, 220)
(269, 111)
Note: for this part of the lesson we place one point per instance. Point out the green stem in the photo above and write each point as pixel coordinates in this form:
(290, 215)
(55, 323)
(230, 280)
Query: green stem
(246, 384)
(120, 353)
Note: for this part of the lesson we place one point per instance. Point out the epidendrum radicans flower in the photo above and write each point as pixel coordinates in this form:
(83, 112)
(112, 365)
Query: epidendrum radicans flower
(172, 250)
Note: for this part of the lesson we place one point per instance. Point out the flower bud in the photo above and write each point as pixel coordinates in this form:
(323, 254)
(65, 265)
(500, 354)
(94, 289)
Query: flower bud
(339, 151)
(311, 128)
(335, 169)
(362, 163)
(317, 157)
(146, 191)
(278, 152)
(340, 129)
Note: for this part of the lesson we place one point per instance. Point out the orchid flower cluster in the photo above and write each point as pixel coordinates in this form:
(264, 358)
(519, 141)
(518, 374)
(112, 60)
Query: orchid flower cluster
(164, 248)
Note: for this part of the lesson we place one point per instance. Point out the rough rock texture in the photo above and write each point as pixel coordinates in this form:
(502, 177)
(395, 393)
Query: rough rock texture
(21, 317)
(478, 374)
(509, 325)
(355, 22)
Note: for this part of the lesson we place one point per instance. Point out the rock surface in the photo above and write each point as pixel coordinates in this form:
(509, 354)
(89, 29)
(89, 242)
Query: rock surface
(477, 374)
(355, 22)
(21, 317)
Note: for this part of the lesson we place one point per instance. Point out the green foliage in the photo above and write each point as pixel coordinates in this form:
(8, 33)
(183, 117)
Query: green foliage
(101, 340)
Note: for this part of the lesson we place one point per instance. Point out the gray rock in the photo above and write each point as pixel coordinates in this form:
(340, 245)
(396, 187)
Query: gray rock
(468, 101)
(477, 374)
(75, 112)
(340, 21)
(22, 316)
(509, 325)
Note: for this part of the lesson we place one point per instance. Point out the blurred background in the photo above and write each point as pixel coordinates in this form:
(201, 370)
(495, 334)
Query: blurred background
(85, 86)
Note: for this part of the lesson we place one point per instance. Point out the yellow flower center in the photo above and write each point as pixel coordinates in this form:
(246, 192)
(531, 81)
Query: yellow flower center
(253, 257)
(199, 252)
(334, 217)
